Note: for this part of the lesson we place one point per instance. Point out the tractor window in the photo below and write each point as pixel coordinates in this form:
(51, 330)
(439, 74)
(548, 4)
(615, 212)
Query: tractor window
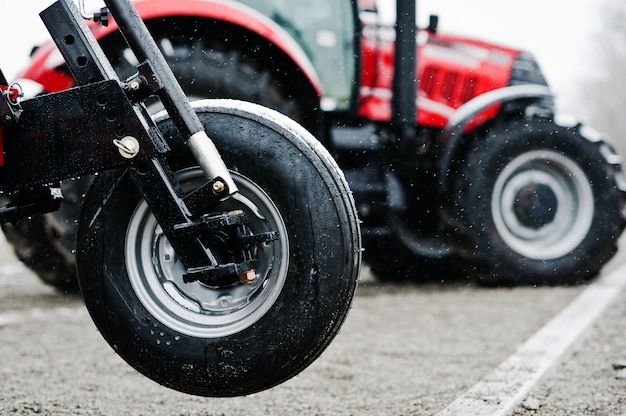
(325, 31)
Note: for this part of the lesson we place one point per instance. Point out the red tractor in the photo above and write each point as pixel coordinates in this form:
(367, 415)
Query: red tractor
(451, 146)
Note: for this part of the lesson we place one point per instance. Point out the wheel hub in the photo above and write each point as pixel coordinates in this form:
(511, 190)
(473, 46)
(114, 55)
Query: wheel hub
(194, 307)
(542, 205)
(536, 205)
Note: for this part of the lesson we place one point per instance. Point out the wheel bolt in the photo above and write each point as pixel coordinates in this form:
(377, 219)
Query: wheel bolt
(247, 277)
(219, 186)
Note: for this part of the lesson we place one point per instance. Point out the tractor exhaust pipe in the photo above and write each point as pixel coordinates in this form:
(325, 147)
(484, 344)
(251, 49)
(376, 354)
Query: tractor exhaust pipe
(404, 101)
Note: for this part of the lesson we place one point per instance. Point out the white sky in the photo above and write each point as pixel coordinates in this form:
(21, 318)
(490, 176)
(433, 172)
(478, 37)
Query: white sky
(557, 32)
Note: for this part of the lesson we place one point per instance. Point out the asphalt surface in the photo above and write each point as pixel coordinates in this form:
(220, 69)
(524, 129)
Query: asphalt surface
(404, 350)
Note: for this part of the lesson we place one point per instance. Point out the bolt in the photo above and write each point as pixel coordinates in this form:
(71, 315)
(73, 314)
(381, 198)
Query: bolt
(219, 187)
(134, 85)
(247, 277)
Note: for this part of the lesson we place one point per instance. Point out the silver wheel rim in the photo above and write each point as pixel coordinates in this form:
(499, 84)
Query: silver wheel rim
(195, 309)
(550, 230)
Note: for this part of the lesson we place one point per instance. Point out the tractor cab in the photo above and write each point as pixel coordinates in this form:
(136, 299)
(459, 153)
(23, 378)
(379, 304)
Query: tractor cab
(325, 30)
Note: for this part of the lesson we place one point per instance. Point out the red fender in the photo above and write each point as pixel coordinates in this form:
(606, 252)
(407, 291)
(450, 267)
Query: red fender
(47, 57)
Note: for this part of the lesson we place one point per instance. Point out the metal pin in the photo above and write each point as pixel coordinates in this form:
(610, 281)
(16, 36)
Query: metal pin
(128, 146)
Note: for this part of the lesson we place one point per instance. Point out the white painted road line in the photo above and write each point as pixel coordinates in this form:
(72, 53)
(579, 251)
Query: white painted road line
(506, 387)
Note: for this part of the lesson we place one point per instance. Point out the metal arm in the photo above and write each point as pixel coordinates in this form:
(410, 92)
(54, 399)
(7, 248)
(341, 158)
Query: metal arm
(171, 94)
(404, 106)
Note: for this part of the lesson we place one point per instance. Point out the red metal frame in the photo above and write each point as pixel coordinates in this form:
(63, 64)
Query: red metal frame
(452, 70)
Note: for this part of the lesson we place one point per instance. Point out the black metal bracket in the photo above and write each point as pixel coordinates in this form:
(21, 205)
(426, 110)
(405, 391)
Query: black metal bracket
(102, 16)
(190, 236)
(71, 133)
(84, 57)
(187, 235)
(102, 124)
(241, 244)
(220, 275)
(46, 202)
(143, 84)
(201, 200)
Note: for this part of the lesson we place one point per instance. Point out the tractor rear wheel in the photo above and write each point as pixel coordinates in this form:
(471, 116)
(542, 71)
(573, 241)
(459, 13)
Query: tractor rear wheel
(406, 255)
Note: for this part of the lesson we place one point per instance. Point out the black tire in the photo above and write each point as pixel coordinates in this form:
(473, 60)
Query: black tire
(404, 256)
(304, 285)
(208, 68)
(34, 243)
(46, 244)
(412, 247)
(539, 203)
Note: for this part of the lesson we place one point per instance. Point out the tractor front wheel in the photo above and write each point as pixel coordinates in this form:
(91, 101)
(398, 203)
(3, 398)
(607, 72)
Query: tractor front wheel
(540, 203)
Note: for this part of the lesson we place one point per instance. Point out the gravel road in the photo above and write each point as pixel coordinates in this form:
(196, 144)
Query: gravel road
(404, 350)
(592, 379)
